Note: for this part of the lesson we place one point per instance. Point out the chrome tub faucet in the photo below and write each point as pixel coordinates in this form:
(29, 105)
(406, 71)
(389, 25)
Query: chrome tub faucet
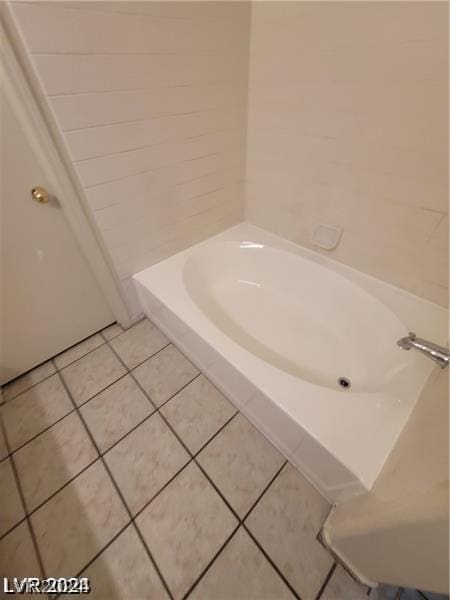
(439, 354)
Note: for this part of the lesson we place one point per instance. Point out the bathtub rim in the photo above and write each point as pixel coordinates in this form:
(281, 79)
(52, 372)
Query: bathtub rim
(416, 309)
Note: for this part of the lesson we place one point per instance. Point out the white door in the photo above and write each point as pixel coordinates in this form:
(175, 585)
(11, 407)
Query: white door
(49, 298)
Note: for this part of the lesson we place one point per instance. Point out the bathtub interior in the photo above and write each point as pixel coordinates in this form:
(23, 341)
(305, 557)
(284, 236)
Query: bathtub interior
(319, 327)
(231, 303)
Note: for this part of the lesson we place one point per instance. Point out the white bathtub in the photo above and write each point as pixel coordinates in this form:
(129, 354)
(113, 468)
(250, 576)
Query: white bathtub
(276, 326)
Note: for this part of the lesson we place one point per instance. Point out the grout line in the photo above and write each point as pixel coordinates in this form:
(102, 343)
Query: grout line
(8, 531)
(40, 433)
(205, 175)
(194, 53)
(98, 332)
(211, 562)
(52, 359)
(241, 524)
(105, 10)
(24, 506)
(205, 84)
(100, 456)
(128, 432)
(193, 459)
(108, 12)
(225, 186)
(218, 153)
(107, 342)
(98, 393)
(151, 170)
(326, 580)
(155, 117)
(58, 372)
(215, 435)
(69, 364)
(155, 409)
(157, 493)
(106, 467)
(175, 433)
(99, 553)
(168, 141)
(169, 167)
(173, 395)
(102, 453)
(231, 508)
(436, 226)
(31, 512)
(133, 519)
(157, 171)
(247, 514)
(294, 592)
(31, 386)
(116, 335)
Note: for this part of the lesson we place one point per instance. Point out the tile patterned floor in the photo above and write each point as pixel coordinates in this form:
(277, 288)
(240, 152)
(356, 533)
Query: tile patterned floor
(119, 461)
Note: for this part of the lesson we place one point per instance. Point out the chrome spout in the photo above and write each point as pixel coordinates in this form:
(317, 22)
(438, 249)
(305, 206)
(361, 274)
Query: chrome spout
(439, 354)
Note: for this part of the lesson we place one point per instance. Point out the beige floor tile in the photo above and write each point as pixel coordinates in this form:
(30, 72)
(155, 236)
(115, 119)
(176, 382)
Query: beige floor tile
(241, 462)
(116, 410)
(241, 572)
(124, 570)
(34, 410)
(49, 461)
(92, 373)
(19, 385)
(112, 331)
(76, 352)
(198, 412)
(17, 554)
(285, 522)
(342, 585)
(184, 527)
(138, 343)
(11, 510)
(145, 460)
(388, 592)
(165, 374)
(76, 523)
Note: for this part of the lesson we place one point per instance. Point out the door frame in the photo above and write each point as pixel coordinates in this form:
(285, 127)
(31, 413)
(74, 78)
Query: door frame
(36, 121)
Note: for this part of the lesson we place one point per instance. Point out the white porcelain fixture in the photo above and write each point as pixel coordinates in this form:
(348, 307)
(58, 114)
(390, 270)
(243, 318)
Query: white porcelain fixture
(278, 327)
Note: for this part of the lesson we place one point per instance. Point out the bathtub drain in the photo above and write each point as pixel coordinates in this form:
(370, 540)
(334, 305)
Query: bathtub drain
(344, 382)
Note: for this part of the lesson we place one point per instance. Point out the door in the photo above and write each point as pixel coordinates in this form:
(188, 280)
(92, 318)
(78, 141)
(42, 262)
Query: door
(49, 298)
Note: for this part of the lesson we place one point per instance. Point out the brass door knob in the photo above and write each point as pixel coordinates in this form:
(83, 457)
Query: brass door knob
(39, 194)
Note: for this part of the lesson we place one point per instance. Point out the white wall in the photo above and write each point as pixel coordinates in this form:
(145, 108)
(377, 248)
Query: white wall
(150, 98)
(398, 533)
(348, 126)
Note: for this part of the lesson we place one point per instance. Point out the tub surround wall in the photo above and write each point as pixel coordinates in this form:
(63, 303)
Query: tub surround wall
(398, 533)
(150, 99)
(347, 126)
